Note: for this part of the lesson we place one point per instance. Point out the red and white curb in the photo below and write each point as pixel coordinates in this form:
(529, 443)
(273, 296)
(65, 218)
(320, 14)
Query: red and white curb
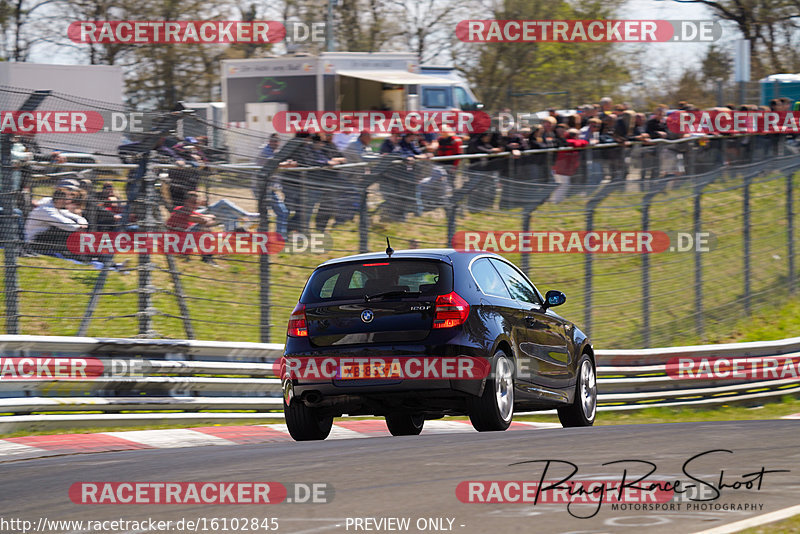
(793, 416)
(28, 447)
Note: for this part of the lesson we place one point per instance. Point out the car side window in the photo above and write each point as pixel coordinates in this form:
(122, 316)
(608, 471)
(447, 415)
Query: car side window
(517, 285)
(358, 280)
(327, 288)
(488, 279)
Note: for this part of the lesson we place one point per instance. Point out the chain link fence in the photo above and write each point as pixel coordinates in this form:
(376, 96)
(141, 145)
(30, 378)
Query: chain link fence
(725, 205)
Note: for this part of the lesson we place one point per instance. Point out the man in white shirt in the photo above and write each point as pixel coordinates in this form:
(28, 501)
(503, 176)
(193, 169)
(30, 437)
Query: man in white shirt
(50, 223)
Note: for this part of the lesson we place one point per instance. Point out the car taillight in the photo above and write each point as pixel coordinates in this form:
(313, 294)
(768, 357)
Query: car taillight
(297, 321)
(451, 310)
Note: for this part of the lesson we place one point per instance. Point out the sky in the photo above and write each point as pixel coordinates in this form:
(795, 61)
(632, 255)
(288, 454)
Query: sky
(674, 56)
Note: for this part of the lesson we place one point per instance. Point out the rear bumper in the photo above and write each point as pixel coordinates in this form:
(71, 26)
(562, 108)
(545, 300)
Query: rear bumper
(432, 397)
(386, 387)
(377, 396)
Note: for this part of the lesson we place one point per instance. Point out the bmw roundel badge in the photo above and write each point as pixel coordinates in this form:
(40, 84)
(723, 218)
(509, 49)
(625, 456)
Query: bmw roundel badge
(367, 316)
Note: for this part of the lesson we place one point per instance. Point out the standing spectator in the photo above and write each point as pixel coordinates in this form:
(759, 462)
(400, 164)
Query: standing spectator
(655, 128)
(479, 187)
(656, 125)
(587, 112)
(357, 149)
(413, 149)
(552, 112)
(548, 136)
(274, 189)
(392, 182)
(343, 139)
(268, 150)
(543, 137)
(594, 166)
(567, 164)
(391, 144)
(325, 187)
(449, 145)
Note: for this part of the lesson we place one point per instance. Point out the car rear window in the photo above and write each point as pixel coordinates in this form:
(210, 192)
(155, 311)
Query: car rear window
(369, 278)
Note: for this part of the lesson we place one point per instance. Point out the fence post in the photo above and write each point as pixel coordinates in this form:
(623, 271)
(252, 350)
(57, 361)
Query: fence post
(363, 222)
(451, 211)
(174, 274)
(9, 239)
(698, 263)
(525, 257)
(99, 284)
(601, 193)
(647, 200)
(746, 237)
(263, 270)
(287, 151)
(588, 266)
(790, 227)
(646, 275)
(146, 287)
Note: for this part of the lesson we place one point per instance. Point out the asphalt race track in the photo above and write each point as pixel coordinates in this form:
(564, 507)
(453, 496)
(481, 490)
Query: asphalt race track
(416, 478)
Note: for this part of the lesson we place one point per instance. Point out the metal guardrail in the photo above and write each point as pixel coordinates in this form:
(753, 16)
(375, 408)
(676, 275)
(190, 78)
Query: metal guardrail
(189, 380)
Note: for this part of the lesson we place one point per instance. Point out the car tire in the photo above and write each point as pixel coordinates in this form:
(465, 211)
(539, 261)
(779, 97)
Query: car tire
(583, 409)
(494, 409)
(405, 424)
(304, 423)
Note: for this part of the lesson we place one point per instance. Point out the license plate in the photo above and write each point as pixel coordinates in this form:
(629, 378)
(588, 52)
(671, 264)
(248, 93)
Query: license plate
(372, 370)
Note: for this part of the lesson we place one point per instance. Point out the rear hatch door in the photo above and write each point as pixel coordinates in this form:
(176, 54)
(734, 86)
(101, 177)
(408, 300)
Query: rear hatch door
(384, 301)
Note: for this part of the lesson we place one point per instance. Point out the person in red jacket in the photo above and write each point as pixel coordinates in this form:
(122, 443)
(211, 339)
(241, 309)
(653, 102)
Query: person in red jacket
(567, 164)
(449, 145)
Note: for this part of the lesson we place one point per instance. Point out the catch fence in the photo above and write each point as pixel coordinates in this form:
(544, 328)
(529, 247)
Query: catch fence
(726, 206)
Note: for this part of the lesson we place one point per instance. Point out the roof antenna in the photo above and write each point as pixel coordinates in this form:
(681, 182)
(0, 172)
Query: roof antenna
(389, 249)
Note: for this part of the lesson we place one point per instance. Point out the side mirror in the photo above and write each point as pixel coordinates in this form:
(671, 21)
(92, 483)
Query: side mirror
(554, 298)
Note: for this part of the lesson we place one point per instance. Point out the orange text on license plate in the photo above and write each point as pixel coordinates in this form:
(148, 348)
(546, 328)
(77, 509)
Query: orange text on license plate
(369, 370)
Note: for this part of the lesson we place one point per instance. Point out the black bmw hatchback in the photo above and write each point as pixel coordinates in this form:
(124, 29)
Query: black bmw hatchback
(419, 334)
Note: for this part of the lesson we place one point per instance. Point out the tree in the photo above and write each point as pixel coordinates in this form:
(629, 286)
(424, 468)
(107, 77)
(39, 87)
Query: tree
(587, 70)
(426, 27)
(17, 25)
(769, 25)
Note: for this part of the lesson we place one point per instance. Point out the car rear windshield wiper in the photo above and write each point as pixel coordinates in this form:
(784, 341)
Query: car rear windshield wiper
(393, 293)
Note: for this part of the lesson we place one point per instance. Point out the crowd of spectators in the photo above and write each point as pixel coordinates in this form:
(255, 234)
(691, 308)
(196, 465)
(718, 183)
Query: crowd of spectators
(334, 187)
(415, 184)
(81, 201)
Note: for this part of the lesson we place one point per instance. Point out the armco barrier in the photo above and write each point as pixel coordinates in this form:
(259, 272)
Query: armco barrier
(189, 380)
